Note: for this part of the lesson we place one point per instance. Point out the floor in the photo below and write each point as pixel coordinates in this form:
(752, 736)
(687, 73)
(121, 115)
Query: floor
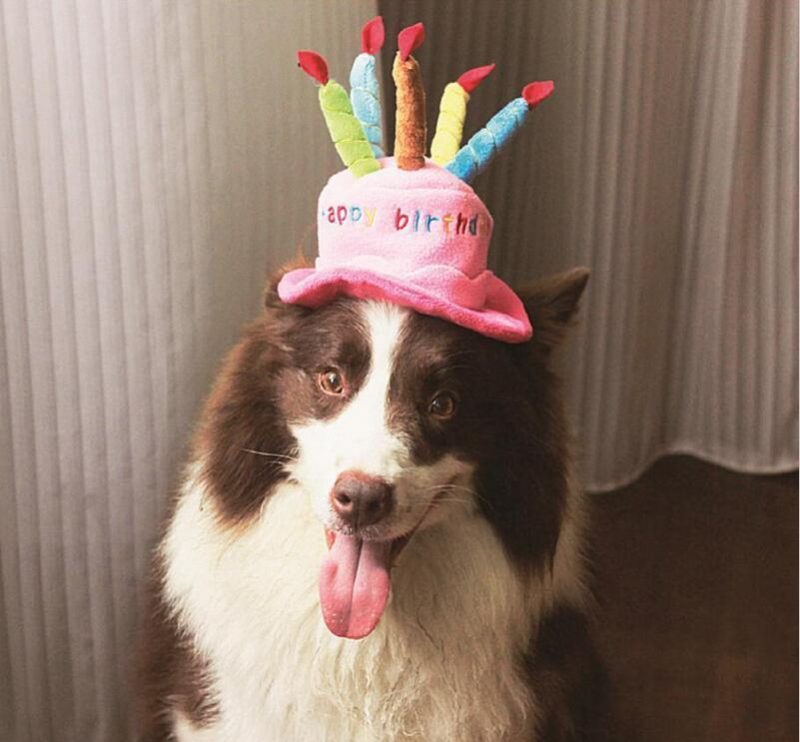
(697, 573)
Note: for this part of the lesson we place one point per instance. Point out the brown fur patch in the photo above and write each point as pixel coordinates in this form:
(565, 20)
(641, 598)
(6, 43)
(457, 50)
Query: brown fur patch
(171, 674)
(569, 681)
(507, 422)
(510, 419)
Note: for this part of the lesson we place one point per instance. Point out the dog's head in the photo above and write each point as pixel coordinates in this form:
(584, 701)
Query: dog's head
(392, 421)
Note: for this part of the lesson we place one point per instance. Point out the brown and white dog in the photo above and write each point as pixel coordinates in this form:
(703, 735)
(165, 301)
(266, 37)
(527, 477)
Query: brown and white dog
(365, 472)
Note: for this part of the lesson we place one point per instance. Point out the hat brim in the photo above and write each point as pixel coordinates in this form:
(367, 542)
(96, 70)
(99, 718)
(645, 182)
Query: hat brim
(503, 316)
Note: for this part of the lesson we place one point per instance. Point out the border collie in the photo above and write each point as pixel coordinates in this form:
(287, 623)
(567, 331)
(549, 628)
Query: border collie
(378, 537)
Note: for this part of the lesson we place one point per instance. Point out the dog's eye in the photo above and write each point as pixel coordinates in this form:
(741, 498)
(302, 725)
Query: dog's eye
(443, 405)
(331, 381)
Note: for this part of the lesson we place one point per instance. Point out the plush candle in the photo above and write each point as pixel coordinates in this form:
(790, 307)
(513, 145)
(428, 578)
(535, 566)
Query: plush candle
(452, 112)
(364, 89)
(345, 129)
(409, 140)
(482, 147)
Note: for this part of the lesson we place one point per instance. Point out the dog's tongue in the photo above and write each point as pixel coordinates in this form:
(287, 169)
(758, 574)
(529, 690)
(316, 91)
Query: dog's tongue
(354, 585)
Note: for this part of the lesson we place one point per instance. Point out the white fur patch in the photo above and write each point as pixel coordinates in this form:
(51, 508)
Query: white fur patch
(184, 731)
(441, 665)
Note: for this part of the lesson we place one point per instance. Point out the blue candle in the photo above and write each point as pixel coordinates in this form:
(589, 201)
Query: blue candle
(482, 147)
(364, 90)
(364, 97)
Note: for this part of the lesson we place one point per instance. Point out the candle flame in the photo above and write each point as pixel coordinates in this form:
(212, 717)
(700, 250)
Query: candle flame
(410, 39)
(535, 92)
(313, 64)
(372, 36)
(472, 78)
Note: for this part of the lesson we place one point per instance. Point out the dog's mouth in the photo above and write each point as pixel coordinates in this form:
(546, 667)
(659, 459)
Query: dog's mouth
(355, 581)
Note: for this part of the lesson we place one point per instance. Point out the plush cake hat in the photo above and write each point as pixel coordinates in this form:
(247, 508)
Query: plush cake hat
(409, 229)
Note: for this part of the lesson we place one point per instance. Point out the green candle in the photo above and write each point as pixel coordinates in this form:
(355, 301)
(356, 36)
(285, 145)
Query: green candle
(345, 129)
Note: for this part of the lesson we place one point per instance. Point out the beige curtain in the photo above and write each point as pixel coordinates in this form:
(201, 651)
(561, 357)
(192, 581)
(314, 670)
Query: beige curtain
(666, 161)
(156, 156)
(155, 159)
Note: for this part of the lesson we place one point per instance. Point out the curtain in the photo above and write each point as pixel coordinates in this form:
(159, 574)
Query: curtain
(666, 161)
(157, 157)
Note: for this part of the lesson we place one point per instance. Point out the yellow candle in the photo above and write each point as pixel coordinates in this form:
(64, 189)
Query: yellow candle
(452, 112)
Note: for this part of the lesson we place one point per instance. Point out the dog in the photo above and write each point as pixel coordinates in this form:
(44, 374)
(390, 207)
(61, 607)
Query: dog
(378, 536)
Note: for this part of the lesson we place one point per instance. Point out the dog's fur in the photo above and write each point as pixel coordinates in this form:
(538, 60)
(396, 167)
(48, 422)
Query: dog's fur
(485, 636)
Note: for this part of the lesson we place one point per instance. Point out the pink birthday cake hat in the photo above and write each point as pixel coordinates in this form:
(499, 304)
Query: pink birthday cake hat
(409, 229)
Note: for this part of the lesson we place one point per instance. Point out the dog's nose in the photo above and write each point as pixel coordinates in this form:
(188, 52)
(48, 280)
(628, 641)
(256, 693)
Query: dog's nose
(360, 499)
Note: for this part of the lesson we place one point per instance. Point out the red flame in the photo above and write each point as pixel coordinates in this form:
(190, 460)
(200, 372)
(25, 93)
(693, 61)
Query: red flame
(372, 36)
(472, 78)
(313, 64)
(535, 92)
(410, 39)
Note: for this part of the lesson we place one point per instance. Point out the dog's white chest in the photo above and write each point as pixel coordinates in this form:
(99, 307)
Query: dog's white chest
(441, 665)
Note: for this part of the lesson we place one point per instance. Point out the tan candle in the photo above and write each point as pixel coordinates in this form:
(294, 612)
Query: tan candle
(410, 133)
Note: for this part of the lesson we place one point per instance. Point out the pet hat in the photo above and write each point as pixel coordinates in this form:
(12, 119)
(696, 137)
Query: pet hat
(408, 229)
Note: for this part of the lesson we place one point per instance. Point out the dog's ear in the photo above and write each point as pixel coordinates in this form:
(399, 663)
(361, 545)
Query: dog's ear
(279, 319)
(271, 298)
(551, 305)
